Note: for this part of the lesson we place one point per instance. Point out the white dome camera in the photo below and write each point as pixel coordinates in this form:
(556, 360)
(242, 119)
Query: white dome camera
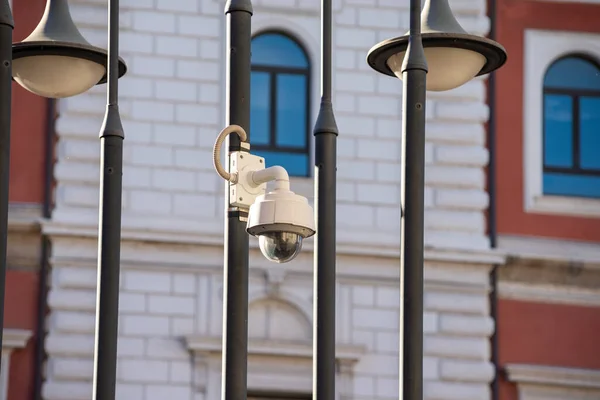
(279, 218)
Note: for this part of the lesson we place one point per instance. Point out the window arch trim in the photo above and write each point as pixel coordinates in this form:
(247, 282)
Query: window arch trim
(273, 72)
(576, 55)
(572, 168)
(541, 49)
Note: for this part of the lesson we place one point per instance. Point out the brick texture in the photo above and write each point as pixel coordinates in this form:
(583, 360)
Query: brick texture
(172, 103)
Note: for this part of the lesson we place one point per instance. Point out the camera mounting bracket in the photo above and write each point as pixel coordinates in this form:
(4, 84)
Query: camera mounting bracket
(244, 192)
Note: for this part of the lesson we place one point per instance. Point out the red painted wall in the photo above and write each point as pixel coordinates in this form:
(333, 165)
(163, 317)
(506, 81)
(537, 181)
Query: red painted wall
(28, 130)
(513, 17)
(21, 313)
(546, 334)
(26, 186)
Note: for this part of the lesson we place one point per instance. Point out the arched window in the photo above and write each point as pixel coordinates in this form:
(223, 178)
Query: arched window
(572, 128)
(280, 102)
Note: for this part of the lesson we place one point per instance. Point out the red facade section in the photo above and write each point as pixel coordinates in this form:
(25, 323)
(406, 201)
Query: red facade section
(546, 334)
(29, 116)
(21, 313)
(513, 17)
(27, 164)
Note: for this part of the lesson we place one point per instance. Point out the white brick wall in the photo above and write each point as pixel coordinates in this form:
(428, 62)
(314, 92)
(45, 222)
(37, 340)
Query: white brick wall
(166, 300)
(172, 107)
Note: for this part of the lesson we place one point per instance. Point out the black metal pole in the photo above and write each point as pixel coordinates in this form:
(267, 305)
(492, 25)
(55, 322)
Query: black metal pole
(414, 75)
(109, 227)
(6, 32)
(235, 275)
(325, 133)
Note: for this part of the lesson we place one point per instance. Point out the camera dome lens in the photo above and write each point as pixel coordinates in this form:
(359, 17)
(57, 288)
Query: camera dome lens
(280, 247)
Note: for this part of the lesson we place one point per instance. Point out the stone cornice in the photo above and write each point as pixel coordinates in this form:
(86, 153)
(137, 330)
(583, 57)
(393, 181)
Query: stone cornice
(553, 376)
(24, 217)
(355, 243)
(15, 338)
(549, 294)
(550, 250)
(345, 353)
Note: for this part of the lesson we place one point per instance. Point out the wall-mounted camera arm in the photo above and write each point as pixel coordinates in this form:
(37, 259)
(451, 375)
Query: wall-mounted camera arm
(275, 174)
(279, 218)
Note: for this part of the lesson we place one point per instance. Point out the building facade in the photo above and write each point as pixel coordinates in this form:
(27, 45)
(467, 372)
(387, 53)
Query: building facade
(27, 248)
(548, 199)
(173, 106)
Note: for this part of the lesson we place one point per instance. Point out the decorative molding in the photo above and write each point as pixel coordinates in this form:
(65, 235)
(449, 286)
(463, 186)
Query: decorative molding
(563, 205)
(284, 296)
(553, 376)
(540, 382)
(572, 1)
(24, 217)
(542, 48)
(273, 365)
(4, 372)
(11, 339)
(550, 250)
(274, 277)
(84, 224)
(345, 353)
(15, 338)
(549, 294)
(311, 6)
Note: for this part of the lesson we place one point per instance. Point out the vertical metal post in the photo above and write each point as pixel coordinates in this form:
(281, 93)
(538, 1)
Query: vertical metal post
(109, 228)
(6, 32)
(325, 133)
(414, 75)
(235, 275)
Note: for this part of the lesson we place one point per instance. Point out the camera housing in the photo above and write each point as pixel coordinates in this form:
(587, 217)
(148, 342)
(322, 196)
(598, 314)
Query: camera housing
(281, 220)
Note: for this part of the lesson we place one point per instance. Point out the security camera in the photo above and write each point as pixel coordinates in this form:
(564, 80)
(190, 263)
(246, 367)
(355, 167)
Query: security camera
(279, 218)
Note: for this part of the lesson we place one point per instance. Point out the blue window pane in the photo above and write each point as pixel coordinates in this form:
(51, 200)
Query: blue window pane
(260, 110)
(589, 132)
(558, 131)
(291, 110)
(276, 50)
(573, 73)
(571, 185)
(296, 164)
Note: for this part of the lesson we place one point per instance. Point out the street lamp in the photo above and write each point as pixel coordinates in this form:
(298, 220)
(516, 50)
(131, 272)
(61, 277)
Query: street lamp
(6, 31)
(55, 60)
(238, 218)
(452, 56)
(324, 280)
(236, 241)
(434, 42)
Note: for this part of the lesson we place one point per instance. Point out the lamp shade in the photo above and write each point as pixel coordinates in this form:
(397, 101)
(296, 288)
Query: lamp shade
(56, 61)
(454, 57)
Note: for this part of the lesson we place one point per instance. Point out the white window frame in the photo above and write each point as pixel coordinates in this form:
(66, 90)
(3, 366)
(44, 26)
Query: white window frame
(12, 339)
(541, 49)
(540, 382)
(300, 29)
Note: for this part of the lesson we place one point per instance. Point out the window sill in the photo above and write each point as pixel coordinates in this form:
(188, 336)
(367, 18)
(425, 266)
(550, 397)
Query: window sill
(562, 205)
